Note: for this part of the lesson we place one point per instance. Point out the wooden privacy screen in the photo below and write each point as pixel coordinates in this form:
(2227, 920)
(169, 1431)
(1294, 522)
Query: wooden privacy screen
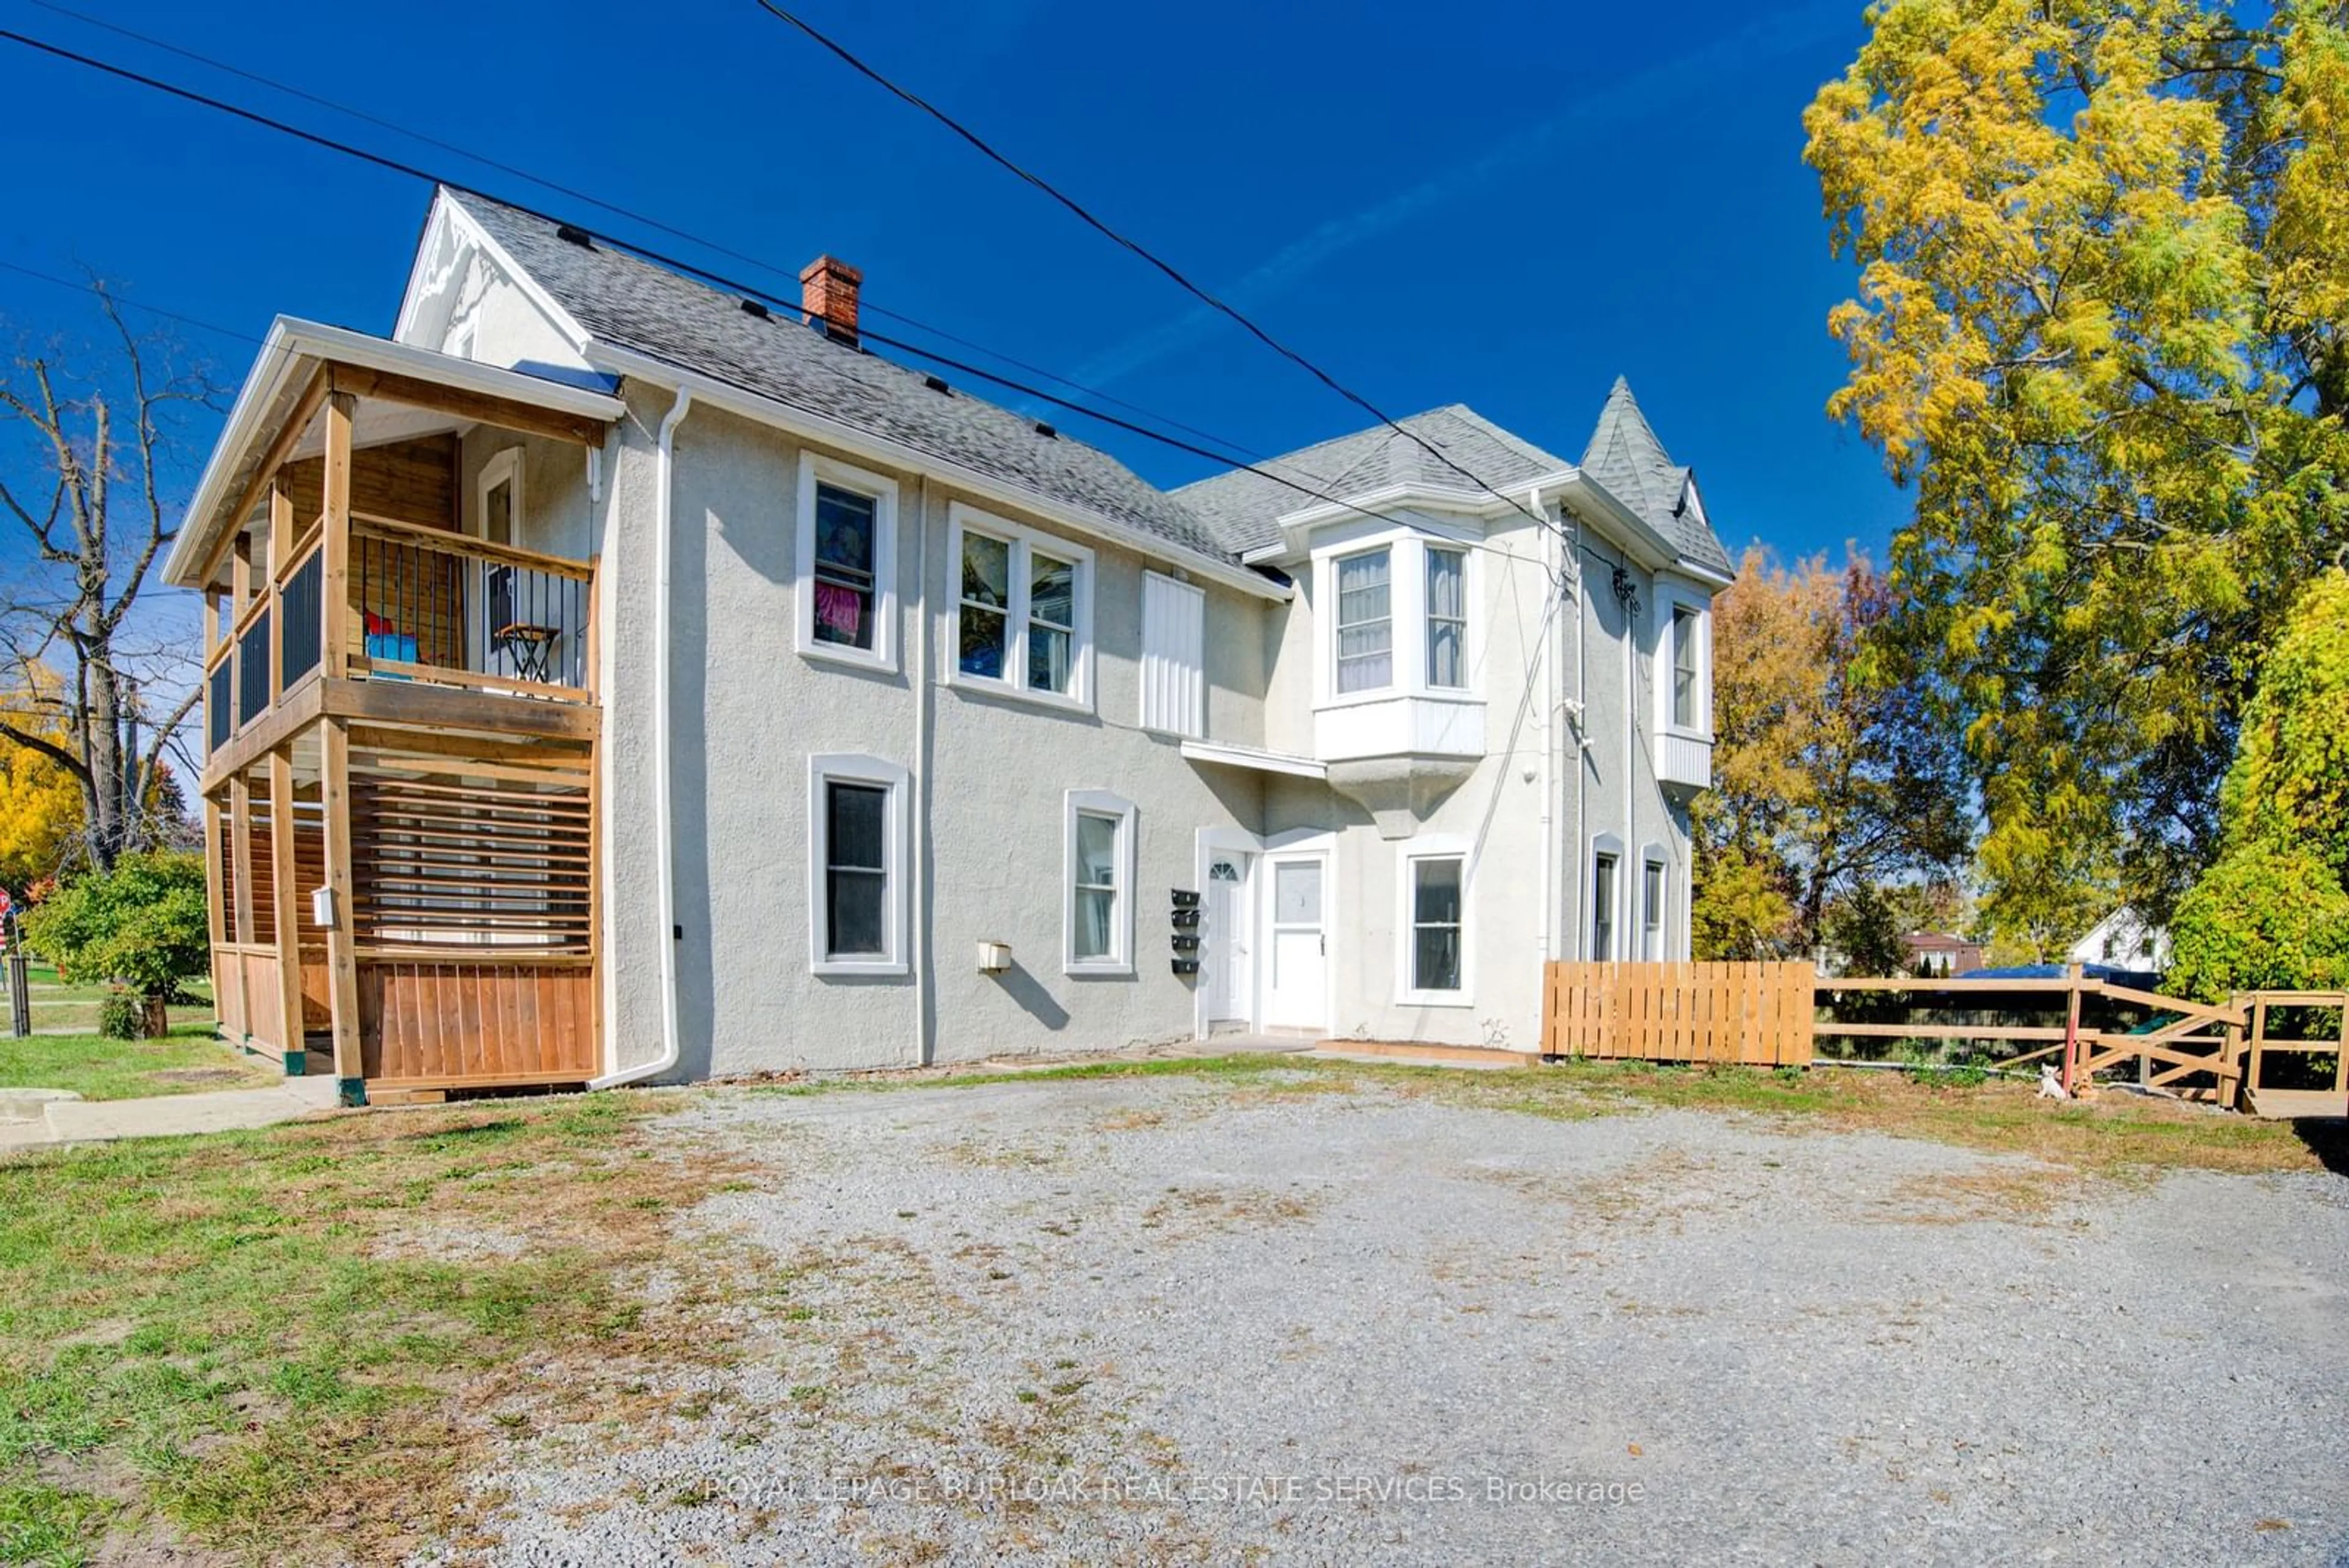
(1756, 1014)
(493, 859)
(473, 916)
(309, 869)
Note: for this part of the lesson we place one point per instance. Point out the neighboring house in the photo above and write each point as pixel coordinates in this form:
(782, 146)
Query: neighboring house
(669, 688)
(1940, 955)
(2124, 939)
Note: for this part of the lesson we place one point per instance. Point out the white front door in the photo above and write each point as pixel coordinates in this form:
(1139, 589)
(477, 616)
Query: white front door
(1228, 933)
(1296, 988)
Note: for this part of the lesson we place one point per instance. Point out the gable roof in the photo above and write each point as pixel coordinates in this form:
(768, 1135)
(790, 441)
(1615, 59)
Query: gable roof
(1244, 508)
(1625, 456)
(633, 304)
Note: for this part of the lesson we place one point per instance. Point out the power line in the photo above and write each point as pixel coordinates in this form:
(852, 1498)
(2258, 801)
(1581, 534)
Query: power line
(631, 214)
(720, 280)
(1085, 216)
(88, 286)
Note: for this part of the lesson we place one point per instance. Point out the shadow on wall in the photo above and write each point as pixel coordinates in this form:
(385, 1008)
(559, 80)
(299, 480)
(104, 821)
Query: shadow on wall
(1029, 991)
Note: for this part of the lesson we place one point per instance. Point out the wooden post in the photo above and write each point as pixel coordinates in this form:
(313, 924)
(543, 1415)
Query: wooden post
(335, 576)
(2341, 1061)
(288, 1001)
(216, 908)
(213, 625)
(2230, 1066)
(2072, 974)
(342, 964)
(2258, 1049)
(240, 844)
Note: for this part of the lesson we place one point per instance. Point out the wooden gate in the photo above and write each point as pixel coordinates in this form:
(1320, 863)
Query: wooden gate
(1756, 1014)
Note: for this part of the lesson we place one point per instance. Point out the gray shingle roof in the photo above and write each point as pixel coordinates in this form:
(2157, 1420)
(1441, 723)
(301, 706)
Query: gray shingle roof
(1243, 507)
(632, 303)
(1625, 456)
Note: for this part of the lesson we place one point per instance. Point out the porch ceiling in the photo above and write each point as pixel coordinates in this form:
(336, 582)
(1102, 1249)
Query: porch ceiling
(403, 391)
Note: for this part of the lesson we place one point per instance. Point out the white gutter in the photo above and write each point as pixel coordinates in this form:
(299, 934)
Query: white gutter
(878, 449)
(664, 826)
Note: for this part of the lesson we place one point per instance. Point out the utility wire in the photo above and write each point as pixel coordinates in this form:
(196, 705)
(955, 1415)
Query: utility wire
(720, 281)
(1085, 216)
(631, 214)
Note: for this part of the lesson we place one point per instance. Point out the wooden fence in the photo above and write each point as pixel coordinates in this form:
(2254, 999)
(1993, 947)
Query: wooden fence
(1756, 1014)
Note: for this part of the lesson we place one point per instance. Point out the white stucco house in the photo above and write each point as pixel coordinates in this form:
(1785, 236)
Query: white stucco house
(928, 732)
(2124, 939)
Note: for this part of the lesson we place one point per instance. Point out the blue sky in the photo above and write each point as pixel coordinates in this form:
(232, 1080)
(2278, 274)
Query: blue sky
(1501, 205)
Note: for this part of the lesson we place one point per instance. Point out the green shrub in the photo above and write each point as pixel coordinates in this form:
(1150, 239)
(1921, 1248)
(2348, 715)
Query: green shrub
(2266, 917)
(143, 924)
(122, 1015)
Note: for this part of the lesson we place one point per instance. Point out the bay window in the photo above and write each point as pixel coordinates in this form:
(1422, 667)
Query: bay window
(1365, 622)
(1447, 618)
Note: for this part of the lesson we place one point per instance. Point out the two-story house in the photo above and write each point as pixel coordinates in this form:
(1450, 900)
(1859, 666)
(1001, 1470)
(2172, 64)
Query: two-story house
(612, 679)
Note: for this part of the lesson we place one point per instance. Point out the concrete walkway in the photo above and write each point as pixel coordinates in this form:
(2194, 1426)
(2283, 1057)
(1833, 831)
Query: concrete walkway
(32, 1118)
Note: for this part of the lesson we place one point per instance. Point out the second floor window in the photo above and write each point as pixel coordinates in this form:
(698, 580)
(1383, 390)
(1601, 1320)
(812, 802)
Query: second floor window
(1023, 615)
(1365, 622)
(1447, 619)
(1684, 666)
(845, 569)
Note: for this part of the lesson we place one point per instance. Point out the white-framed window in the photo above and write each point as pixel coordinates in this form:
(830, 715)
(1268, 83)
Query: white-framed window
(1652, 893)
(1023, 610)
(497, 520)
(1174, 656)
(1684, 661)
(1447, 619)
(1366, 620)
(1097, 925)
(1397, 617)
(1605, 863)
(1433, 967)
(856, 864)
(847, 564)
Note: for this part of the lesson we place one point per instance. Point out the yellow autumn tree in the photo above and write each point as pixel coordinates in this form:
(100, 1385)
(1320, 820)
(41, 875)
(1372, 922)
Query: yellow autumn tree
(2102, 328)
(40, 801)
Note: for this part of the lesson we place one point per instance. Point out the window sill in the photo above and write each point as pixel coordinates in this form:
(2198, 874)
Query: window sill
(853, 658)
(1098, 969)
(1435, 999)
(884, 968)
(1399, 694)
(980, 686)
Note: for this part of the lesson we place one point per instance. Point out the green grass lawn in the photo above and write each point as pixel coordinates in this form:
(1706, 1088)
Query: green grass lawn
(190, 1059)
(289, 1345)
(59, 1006)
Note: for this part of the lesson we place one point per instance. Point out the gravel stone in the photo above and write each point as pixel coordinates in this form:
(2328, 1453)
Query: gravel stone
(1311, 1327)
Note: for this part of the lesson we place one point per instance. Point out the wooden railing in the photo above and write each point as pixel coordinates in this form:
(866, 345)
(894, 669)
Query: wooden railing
(443, 608)
(419, 603)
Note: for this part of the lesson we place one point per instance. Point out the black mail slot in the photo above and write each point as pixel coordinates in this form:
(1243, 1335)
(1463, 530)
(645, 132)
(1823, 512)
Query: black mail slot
(1186, 942)
(1186, 966)
(1186, 918)
(1185, 899)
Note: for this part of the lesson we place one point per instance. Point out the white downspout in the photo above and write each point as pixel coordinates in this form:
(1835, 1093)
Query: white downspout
(1625, 902)
(1552, 629)
(664, 845)
(918, 934)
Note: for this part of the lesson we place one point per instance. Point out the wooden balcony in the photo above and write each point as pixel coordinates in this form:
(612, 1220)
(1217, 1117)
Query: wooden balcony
(401, 721)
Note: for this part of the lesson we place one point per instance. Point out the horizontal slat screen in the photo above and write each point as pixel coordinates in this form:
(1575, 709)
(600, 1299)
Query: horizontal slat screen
(440, 860)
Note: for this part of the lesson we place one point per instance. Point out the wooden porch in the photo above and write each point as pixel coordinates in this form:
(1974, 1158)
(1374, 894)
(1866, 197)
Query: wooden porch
(402, 721)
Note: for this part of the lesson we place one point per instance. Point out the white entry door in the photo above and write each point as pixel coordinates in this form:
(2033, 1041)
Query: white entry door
(1296, 988)
(1230, 977)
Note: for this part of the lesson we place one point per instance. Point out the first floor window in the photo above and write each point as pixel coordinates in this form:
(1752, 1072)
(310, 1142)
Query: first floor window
(1096, 888)
(1602, 908)
(856, 899)
(1447, 619)
(1435, 923)
(846, 569)
(1365, 622)
(1023, 614)
(856, 870)
(1100, 885)
(1651, 907)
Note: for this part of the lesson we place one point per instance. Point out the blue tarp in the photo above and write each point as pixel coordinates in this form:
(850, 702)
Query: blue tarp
(2135, 979)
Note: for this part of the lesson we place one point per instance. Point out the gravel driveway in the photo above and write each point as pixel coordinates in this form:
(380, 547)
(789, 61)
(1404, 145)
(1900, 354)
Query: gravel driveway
(1182, 1319)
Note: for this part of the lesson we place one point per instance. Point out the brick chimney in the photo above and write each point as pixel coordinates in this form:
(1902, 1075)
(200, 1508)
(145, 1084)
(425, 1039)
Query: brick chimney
(828, 288)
